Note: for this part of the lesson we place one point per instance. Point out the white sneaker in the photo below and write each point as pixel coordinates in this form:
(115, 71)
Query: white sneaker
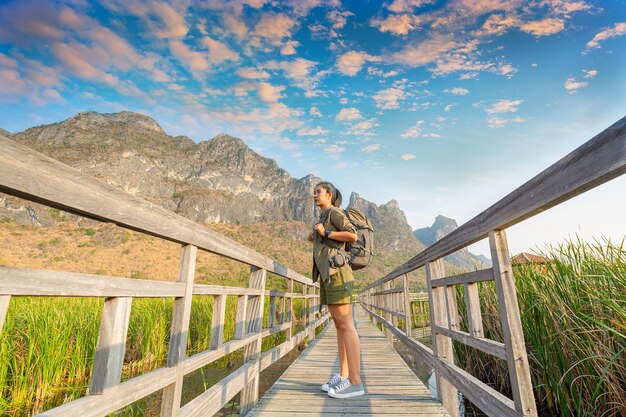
(334, 380)
(345, 389)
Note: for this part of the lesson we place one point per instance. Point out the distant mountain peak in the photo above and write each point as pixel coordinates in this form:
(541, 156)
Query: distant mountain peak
(90, 118)
(443, 226)
(223, 139)
(6, 133)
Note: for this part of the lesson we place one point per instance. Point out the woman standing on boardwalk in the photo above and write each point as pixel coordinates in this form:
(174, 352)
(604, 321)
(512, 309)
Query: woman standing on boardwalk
(330, 263)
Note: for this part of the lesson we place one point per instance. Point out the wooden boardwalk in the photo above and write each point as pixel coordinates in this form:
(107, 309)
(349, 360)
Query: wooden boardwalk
(391, 388)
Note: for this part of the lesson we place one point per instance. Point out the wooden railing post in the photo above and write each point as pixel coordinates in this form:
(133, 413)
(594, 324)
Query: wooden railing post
(242, 313)
(252, 352)
(312, 306)
(442, 345)
(290, 314)
(407, 306)
(304, 303)
(271, 320)
(508, 308)
(388, 316)
(217, 322)
(5, 300)
(472, 304)
(107, 367)
(281, 310)
(170, 404)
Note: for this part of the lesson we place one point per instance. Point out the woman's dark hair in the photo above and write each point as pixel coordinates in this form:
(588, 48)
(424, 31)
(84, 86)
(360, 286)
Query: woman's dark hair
(334, 192)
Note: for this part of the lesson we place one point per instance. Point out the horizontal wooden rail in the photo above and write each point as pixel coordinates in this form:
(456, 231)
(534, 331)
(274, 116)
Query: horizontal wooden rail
(28, 174)
(479, 393)
(595, 162)
(392, 291)
(494, 348)
(470, 277)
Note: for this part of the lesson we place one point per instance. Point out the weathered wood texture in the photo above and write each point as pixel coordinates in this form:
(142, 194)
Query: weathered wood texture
(179, 332)
(28, 174)
(442, 346)
(517, 359)
(484, 397)
(391, 388)
(597, 161)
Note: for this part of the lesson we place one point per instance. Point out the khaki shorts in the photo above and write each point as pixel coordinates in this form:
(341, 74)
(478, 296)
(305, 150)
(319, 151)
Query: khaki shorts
(339, 289)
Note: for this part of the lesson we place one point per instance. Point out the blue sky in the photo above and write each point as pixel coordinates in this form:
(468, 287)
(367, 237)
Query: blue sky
(445, 106)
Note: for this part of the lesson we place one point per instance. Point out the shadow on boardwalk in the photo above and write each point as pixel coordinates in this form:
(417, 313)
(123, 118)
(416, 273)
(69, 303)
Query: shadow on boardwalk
(391, 388)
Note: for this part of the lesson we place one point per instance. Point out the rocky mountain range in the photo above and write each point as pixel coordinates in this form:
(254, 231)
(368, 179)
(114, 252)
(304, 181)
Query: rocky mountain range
(220, 180)
(462, 258)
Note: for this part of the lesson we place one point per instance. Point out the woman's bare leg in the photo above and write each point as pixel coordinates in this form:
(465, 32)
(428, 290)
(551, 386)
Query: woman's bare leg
(342, 316)
(341, 349)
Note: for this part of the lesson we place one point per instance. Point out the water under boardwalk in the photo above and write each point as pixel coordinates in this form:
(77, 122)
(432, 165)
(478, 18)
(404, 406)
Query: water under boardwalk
(391, 388)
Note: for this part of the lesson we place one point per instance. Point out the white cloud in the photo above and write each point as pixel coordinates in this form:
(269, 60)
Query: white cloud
(380, 73)
(235, 25)
(571, 85)
(389, 98)
(270, 93)
(544, 27)
(338, 18)
(507, 70)
(218, 51)
(590, 73)
(343, 100)
(349, 113)
(371, 148)
(503, 106)
(397, 24)
(425, 52)
(334, 149)
(351, 62)
(457, 91)
(197, 62)
(449, 107)
(252, 73)
(401, 6)
(314, 111)
(497, 122)
(363, 128)
(407, 156)
(413, 131)
(289, 48)
(299, 70)
(619, 29)
(274, 27)
(306, 131)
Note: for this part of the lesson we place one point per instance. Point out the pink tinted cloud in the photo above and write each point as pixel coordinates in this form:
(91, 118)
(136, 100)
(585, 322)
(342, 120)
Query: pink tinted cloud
(194, 60)
(544, 27)
(274, 27)
(351, 62)
(397, 24)
(619, 29)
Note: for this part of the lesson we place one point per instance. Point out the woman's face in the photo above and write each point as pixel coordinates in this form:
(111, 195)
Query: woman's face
(321, 197)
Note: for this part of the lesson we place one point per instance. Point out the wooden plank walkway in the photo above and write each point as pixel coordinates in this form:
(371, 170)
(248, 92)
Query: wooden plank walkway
(391, 388)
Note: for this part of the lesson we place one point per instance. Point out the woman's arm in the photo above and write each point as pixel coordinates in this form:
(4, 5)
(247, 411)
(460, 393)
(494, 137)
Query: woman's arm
(340, 236)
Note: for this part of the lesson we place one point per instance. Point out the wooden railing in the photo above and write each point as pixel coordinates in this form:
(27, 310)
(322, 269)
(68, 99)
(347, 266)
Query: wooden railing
(595, 162)
(30, 175)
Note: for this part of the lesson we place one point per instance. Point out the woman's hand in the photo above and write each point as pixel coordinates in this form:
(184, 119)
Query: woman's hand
(319, 228)
(310, 238)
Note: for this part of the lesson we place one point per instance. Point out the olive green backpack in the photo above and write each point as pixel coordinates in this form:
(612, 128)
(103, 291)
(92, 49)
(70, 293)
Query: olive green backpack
(362, 249)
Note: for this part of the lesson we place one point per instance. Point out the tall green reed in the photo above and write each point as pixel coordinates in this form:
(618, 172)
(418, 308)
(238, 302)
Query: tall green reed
(573, 312)
(48, 345)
